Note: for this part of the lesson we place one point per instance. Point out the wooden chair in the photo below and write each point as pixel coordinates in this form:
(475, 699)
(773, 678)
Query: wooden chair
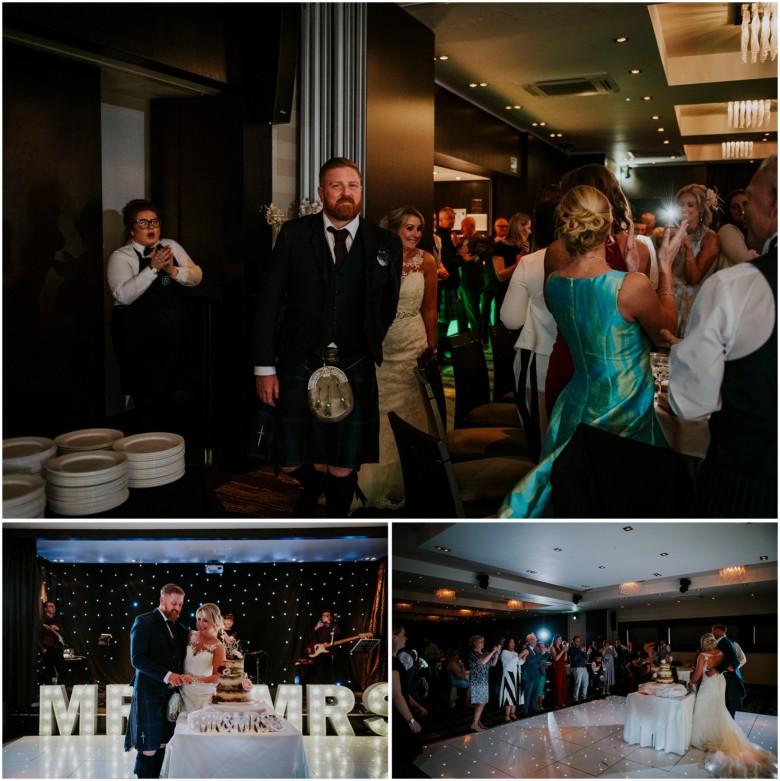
(502, 342)
(463, 444)
(434, 487)
(473, 407)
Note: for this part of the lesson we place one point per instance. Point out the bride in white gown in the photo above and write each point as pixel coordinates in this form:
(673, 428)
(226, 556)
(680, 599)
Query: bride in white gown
(205, 655)
(729, 752)
(413, 329)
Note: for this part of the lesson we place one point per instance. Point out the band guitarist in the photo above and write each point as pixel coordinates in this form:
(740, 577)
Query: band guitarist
(51, 644)
(326, 630)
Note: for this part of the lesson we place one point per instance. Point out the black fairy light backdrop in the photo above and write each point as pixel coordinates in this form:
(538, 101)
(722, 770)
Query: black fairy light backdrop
(275, 607)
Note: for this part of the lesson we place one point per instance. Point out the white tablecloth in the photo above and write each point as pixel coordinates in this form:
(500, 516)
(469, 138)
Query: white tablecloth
(201, 755)
(659, 722)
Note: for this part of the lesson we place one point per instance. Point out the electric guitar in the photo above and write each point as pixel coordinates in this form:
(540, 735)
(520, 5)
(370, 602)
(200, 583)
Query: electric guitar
(315, 649)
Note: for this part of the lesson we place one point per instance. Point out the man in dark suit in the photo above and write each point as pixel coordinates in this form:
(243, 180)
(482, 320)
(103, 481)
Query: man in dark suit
(729, 666)
(328, 296)
(531, 675)
(158, 645)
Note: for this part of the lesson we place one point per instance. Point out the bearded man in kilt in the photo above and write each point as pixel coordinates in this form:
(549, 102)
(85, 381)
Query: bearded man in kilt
(158, 646)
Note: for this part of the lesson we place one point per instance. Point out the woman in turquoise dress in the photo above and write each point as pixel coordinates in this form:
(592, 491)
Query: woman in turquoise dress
(608, 318)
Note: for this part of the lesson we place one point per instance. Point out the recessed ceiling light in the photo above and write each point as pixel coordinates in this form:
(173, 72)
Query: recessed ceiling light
(628, 528)
(508, 108)
(655, 116)
(458, 178)
(558, 550)
(518, 107)
(601, 566)
(663, 554)
(660, 130)
(647, 97)
(552, 135)
(543, 124)
(628, 100)
(763, 558)
(473, 84)
(442, 548)
(634, 71)
(621, 39)
(531, 571)
(444, 57)
(534, 124)
(560, 135)
(667, 141)
(658, 575)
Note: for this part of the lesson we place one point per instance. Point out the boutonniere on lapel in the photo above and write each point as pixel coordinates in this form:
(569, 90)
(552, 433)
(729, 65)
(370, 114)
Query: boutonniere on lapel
(384, 256)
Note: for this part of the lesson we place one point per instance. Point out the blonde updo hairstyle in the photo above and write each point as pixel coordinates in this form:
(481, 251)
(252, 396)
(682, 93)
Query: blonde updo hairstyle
(708, 642)
(212, 614)
(584, 219)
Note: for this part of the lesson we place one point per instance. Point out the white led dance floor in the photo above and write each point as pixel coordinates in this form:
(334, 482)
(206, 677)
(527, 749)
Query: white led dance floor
(584, 741)
(103, 756)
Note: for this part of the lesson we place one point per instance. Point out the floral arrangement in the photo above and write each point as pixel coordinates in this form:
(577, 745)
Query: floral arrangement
(275, 216)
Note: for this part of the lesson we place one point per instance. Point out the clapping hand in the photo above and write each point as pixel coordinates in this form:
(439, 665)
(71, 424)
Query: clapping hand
(670, 246)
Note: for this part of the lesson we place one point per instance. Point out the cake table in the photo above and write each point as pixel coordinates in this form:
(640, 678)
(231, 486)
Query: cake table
(192, 754)
(662, 723)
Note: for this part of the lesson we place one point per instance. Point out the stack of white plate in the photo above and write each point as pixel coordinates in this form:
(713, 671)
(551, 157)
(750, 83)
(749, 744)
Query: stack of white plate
(27, 455)
(155, 458)
(87, 439)
(24, 496)
(86, 483)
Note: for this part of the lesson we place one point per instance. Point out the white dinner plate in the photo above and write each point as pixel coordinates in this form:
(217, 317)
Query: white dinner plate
(26, 449)
(20, 489)
(87, 439)
(90, 463)
(149, 444)
(152, 482)
(90, 508)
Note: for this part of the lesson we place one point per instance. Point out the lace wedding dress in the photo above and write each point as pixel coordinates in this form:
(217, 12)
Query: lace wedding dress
(382, 483)
(200, 664)
(729, 752)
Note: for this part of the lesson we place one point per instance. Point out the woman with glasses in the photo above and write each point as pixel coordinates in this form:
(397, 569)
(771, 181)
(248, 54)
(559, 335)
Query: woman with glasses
(147, 277)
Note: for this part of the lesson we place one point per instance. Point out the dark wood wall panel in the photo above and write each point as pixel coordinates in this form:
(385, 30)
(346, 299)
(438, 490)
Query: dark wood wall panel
(400, 114)
(189, 38)
(53, 378)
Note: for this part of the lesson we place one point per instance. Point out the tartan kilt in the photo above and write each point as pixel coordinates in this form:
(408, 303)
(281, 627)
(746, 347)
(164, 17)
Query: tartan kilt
(147, 723)
(292, 436)
(448, 304)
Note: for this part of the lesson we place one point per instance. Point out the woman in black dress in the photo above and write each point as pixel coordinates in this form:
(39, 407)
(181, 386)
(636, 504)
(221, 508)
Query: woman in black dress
(406, 741)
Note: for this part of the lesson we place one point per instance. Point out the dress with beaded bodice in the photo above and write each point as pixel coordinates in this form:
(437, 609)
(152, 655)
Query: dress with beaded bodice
(198, 663)
(382, 483)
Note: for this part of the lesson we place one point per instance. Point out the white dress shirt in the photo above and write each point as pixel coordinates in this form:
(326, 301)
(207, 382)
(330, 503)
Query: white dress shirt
(733, 315)
(128, 284)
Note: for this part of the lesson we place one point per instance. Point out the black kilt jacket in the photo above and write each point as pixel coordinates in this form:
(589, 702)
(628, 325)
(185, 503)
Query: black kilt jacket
(153, 653)
(292, 314)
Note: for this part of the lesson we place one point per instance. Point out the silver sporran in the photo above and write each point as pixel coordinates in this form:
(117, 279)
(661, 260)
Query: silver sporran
(330, 394)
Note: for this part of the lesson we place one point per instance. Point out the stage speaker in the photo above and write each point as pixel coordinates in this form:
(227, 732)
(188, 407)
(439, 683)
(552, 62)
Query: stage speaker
(612, 620)
(269, 67)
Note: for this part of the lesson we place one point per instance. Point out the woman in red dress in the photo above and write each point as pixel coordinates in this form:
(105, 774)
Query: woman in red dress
(558, 651)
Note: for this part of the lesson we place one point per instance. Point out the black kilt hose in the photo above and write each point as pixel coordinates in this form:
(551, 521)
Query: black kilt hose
(291, 436)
